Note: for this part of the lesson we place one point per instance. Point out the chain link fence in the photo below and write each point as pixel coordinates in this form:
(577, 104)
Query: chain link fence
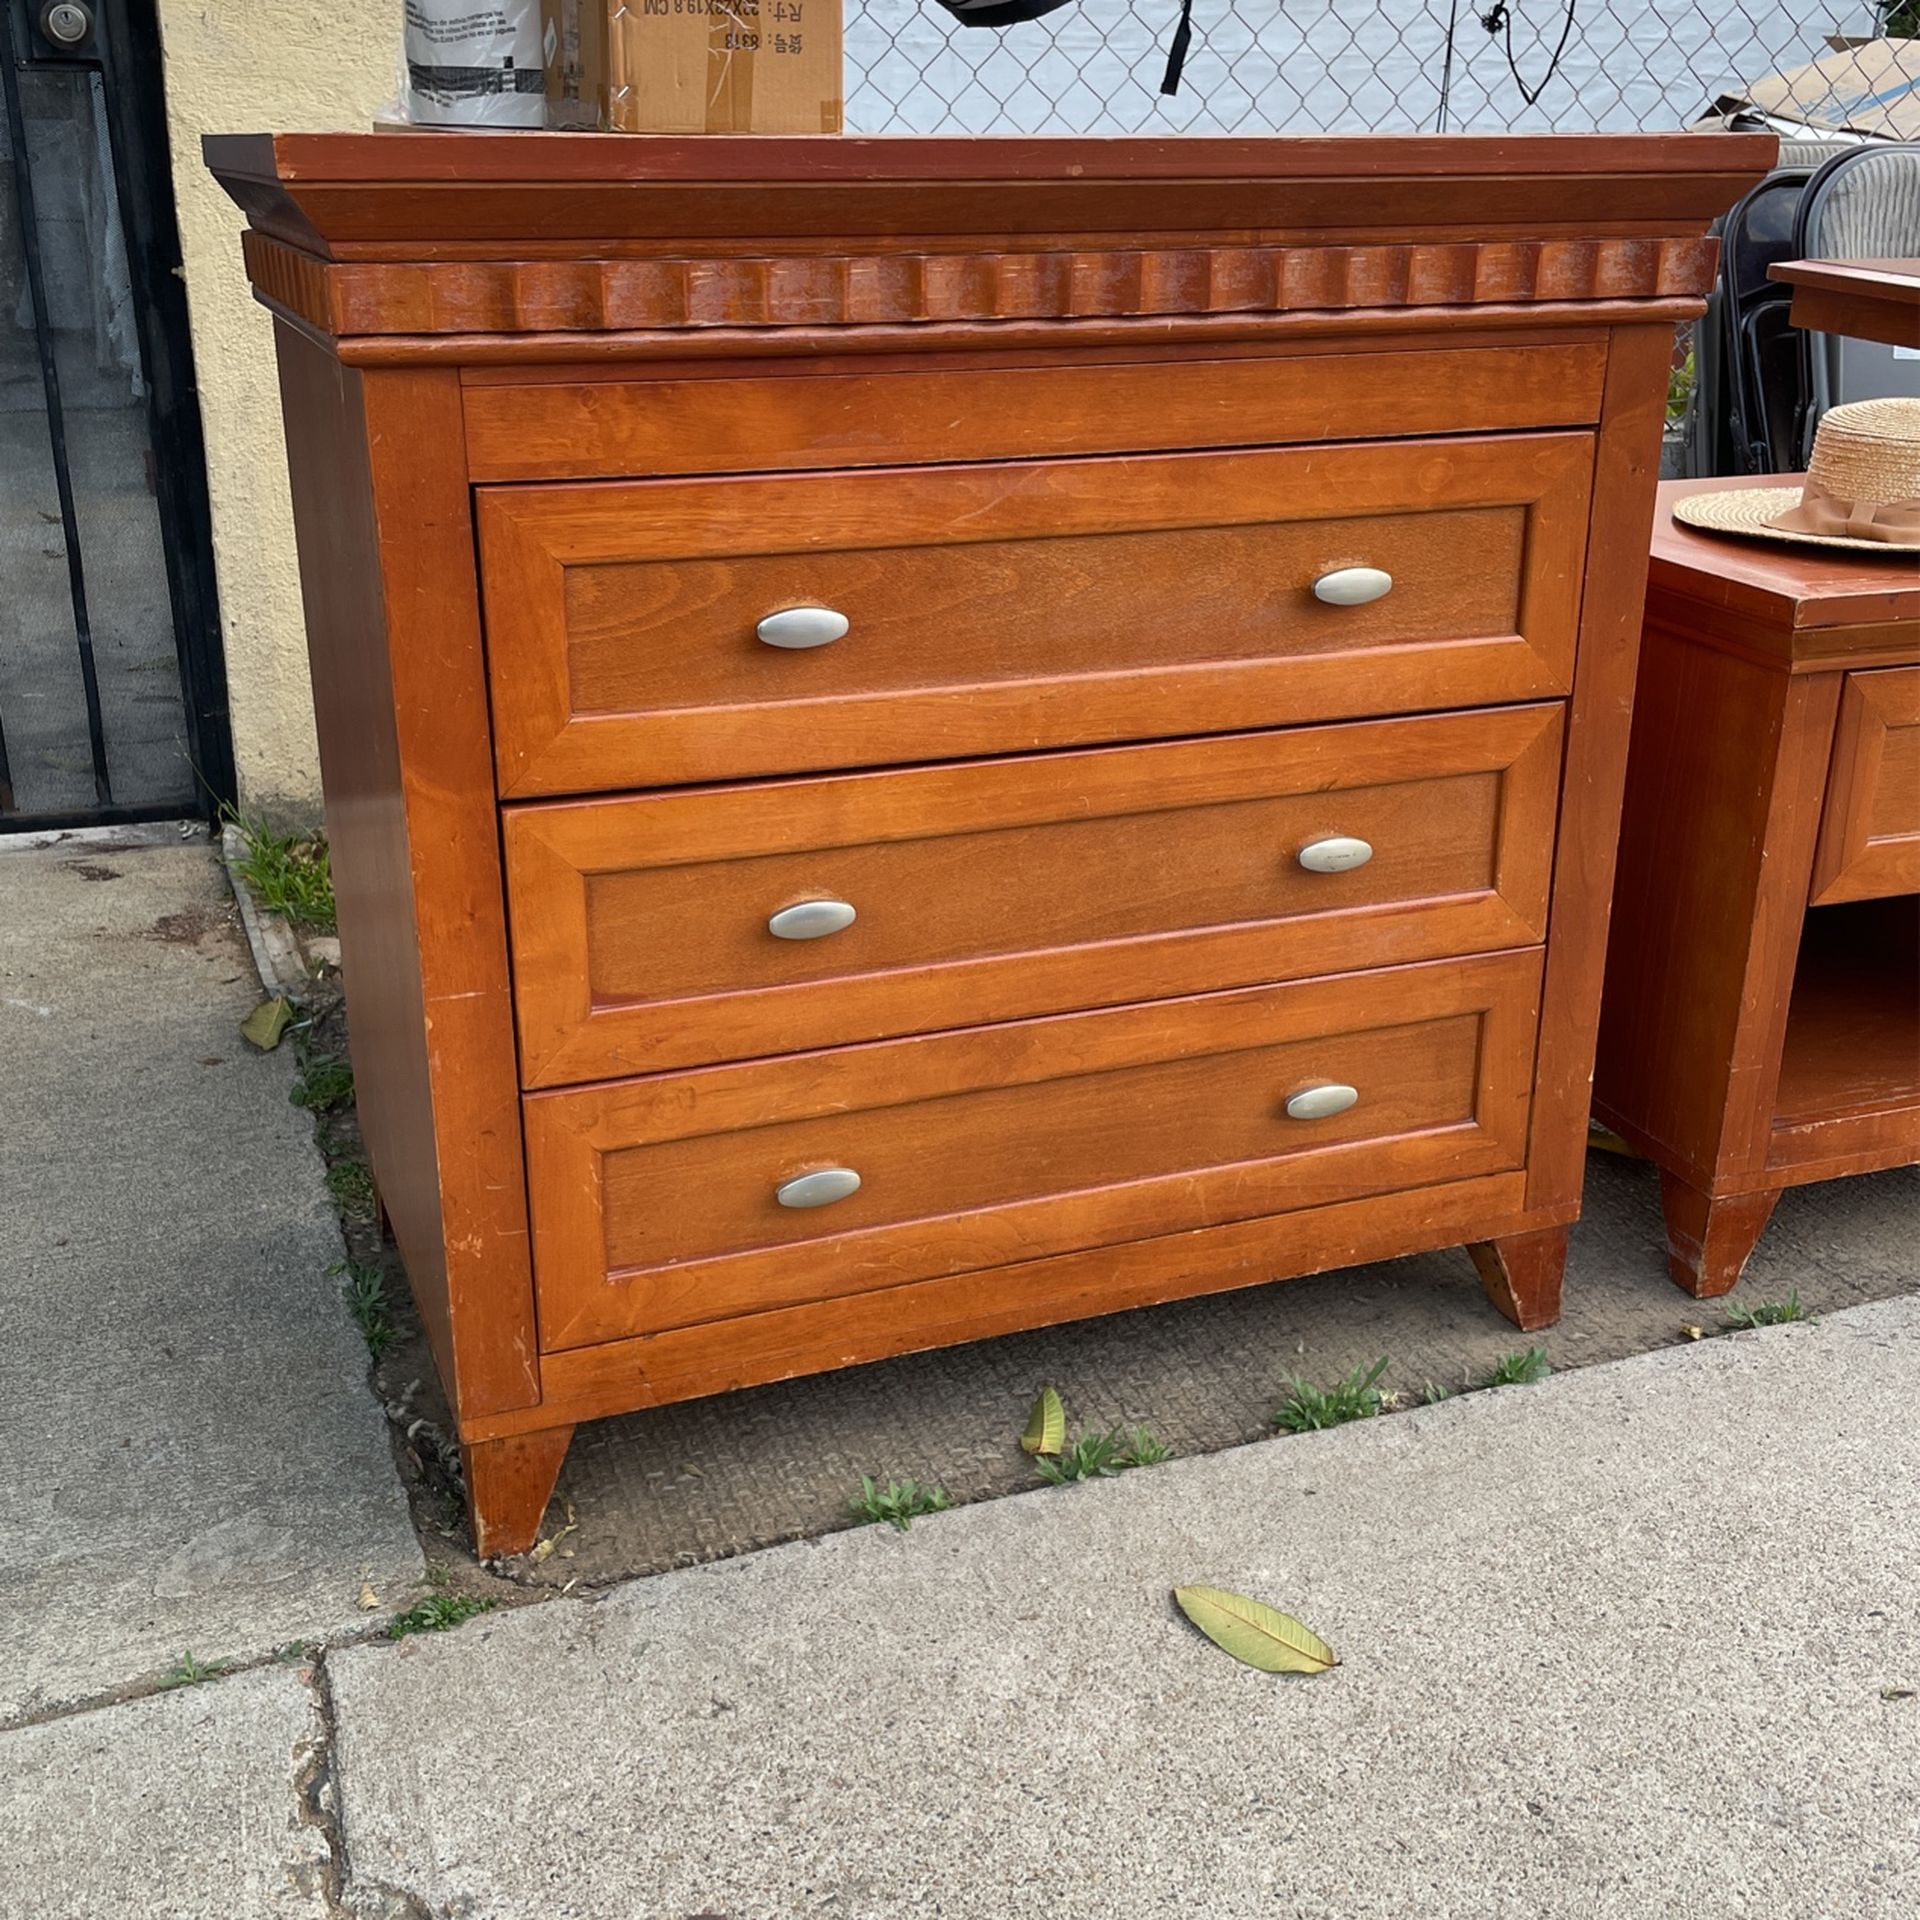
(1341, 66)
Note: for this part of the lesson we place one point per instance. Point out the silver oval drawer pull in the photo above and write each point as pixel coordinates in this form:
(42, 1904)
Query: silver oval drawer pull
(1353, 586)
(796, 627)
(811, 919)
(820, 1189)
(1337, 853)
(1321, 1102)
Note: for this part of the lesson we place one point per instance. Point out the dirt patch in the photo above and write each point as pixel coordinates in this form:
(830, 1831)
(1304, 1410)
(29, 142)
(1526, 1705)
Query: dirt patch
(92, 870)
(188, 928)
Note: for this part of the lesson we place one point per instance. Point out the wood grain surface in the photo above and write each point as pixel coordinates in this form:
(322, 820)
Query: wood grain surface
(393, 630)
(654, 1199)
(1870, 829)
(1177, 592)
(995, 889)
(807, 418)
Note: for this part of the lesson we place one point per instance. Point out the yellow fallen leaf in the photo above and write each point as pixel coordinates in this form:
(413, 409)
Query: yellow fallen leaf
(1253, 1632)
(1046, 1424)
(543, 1549)
(263, 1027)
(368, 1598)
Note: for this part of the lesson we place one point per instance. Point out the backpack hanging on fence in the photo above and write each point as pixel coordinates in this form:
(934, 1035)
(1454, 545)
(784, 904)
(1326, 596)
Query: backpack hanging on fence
(1010, 13)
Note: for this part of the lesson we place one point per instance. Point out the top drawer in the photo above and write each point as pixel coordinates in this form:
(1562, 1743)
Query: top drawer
(551, 424)
(1017, 605)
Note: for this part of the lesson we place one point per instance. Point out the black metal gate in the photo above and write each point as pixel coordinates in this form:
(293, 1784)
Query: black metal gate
(112, 689)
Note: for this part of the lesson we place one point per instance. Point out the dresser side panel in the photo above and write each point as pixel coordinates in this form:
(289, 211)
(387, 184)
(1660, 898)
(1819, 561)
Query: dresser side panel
(386, 563)
(1626, 471)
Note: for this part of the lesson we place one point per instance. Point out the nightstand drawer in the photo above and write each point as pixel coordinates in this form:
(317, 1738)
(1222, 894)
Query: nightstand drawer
(1870, 827)
(682, 1198)
(676, 928)
(667, 631)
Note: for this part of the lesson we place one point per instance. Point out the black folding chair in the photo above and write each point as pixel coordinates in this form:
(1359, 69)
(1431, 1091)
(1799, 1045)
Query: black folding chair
(1760, 352)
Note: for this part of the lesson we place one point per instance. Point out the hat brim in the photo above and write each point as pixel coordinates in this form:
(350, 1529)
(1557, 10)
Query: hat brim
(1745, 511)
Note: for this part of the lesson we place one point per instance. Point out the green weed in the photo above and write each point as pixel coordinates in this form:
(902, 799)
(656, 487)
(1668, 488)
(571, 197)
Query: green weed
(1768, 1313)
(1308, 1409)
(1680, 385)
(324, 1083)
(1143, 1450)
(1100, 1456)
(1521, 1368)
(290, 874)
(438, 1613)
(189, 1672)
(367, 1302)
(899, 1503)
(351, 1184)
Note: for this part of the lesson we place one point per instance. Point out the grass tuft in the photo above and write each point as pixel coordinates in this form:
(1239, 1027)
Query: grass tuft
(1522, 1368)
(324, 1083)
(1768, 1313)
(1100, 1456)
(1308, 1409)
(189, 1672)
(1143, 1450)
(351, 1184)
(438, 1613)
(899, 1503)
(367, 1302)
(290, 874)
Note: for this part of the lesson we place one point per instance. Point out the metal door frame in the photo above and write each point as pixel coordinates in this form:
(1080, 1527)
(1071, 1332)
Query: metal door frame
(125, 50)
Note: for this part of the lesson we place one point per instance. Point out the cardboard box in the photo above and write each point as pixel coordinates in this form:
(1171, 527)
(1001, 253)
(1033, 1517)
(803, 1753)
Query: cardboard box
(694, 66)
(1869, 87)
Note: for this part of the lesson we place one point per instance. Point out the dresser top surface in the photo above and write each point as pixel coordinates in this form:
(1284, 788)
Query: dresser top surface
(331, 192)
(1784, 585)
(458, 156)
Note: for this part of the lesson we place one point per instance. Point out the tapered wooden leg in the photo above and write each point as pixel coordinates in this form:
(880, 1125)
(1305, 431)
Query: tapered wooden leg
(1522, 1272)
(509, 1483)
(1709, 1240)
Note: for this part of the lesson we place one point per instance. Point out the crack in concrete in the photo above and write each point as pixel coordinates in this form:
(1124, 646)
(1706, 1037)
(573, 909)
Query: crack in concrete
(317, 1802)
(147, 1685)
(317, 1791)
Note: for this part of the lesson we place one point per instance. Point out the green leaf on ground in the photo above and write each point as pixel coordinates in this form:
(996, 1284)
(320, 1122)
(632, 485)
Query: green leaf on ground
(263, 1027)
(1046, 1424)
(1254, 1632)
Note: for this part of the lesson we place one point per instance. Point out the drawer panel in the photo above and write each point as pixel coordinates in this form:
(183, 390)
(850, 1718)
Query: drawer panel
(521, 428)
(654, 1200)
(1021, 605)
(996, 889)
(1870, 827)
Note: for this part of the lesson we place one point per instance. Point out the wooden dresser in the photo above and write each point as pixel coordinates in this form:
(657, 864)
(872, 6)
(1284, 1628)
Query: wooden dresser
(924, 737)
(1762, 1015)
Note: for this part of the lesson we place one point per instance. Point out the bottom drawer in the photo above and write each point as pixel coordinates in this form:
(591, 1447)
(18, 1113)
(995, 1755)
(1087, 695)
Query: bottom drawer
(658, 1202)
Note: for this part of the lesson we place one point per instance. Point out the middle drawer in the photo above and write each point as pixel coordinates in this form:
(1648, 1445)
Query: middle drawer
(657, 930)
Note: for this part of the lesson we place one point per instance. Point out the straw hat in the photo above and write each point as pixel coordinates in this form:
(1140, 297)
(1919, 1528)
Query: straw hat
(1862, 488)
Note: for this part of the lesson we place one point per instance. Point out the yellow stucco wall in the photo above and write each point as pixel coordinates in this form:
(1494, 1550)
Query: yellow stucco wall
(250, 66)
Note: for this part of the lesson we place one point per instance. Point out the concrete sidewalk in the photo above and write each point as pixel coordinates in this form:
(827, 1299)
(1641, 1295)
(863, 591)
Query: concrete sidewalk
(190, 1456)
(1638, 1640)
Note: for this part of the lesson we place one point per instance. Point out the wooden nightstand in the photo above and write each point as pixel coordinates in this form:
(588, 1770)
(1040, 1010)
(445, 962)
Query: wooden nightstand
(925, 737)
(1761, 1025)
